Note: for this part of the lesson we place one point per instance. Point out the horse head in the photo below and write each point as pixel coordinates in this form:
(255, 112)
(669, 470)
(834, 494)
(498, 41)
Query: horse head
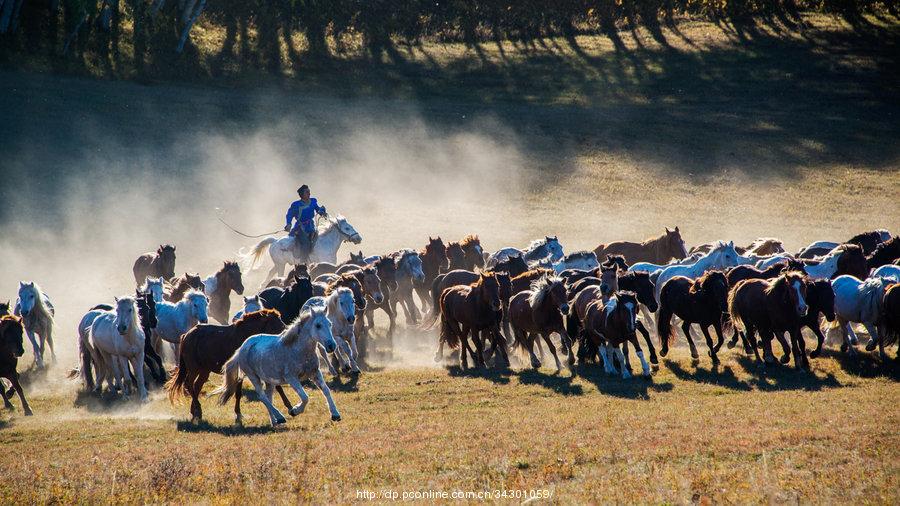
(126, 315)
(346, 229)
(554, 248)
(12, 334)
(609, 280)
(28, 297)
(320, 329)
(675, 247)
(166, 255)
(199, 305)
(232, 274)
(490, 290)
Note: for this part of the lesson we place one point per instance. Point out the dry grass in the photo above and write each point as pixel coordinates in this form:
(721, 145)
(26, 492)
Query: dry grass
(688, 434)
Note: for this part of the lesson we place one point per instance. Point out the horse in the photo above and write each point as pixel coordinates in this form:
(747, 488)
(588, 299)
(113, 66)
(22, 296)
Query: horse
(117, 341)
(174, 319)
(770, 307)
(819, 299)
(539, 249)
(465, 254)
(540, 312)
(868, 241)
(331, 234)
(277, 359)
(155, 287)
(884, 254)
(742, 272)
(580, 295)
(296, 270)
(409, 272)
(722, 255)
(180, 285)
(159, 264)
(823, 267)
(146, 314)
(651, 268)
(611, 324)
(890, 318)
(12, 346)
(860, 302)
(251, 304)
(218, 288)
(341, 310)
(852, 261)
(703, 301)
(658, 250)
(469, 309)
(434, 262)
(887, 271)
(288, 301)
(4, 309)
(581, 260)
(205, 349)
(386, 268)
(37, 313)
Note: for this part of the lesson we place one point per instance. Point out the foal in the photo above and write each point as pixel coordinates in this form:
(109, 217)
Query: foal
(540, 311)
(703, 301)
(12, 340)
(205, 348)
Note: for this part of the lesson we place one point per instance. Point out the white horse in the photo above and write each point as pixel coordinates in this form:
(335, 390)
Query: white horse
(825, 269)
(331, 234)
(860, 302)
(88, 370)
(651, 268)
(281, 359)
(251, 304)
(539, 249)
(174, 319)
(722, 255)
(341, 310)
(154, 286)
(581, 260)
(889, 272)
(37, 312)
(117, 341)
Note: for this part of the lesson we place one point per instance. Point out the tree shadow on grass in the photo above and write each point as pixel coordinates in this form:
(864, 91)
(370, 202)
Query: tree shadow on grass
(637, 387)
(717, 375)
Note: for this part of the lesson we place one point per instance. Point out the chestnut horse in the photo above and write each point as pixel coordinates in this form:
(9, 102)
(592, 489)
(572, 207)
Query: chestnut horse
(469, 309)
(465, 254)
(658, 250)
(703, 301)
(540, 312)
(205, 349)
(12, 346)
(218, 288)
(770, 307)
(159, 264)
(434, 262)
(180, 285)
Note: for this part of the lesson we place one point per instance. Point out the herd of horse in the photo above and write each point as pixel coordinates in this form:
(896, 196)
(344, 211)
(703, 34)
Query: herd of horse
(588, 306)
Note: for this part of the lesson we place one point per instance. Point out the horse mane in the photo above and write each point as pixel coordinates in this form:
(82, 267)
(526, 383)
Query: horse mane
(470, 240)
(39, 307)
(192, 293)
(404, 253)
(700, 283)
(871, 234)
(290, 335)
(257, 315)
(653, 240)
(537, 243)
(783, 280)
(339, 282)
(578, 255)
(892, 243)
(870, 293)
(539, 289)
(533, 272)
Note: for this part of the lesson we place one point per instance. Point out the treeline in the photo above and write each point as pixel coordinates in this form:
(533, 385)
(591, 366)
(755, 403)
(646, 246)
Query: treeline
(165, 26)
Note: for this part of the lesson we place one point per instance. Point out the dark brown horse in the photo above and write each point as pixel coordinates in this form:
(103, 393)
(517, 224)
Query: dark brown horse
(434, 262)
(890, 320)
(226, 280)
(465, 254)
(742, 272)
(523, 281)
(703, 301)
(159, 264)
(350, 281)
(4, 308)
(611, 324)
(770, 308)
(180, 285)
(852, 262)
(205, 349)
(885, 253)
(541, 312)
(819, 299)
(386, 268)
(658, 250)
(469, 310)
(12, 337)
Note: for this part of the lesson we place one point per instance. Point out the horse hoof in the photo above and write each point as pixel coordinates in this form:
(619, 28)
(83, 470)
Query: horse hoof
(335, 418)
(871, 345)
(355, 373)
(296, 411)
(663, 352)
(278, 421)
(195, 420)
(535, 364)
(28, 412)
(814, 354)
(731, 345)
(785, 359)
(438, 359)
(654, 360)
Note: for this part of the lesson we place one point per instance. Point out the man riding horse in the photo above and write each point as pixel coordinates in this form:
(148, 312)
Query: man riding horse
(304, 212)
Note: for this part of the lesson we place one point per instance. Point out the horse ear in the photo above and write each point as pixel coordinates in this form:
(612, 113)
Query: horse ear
(117, 299)
(731, 244)
(21, 284)
(668, 231)
(676, 228)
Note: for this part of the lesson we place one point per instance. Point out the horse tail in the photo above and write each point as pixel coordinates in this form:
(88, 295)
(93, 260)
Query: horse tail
(572, 323)
(448, 333)
(257, 251)
(176, 384)
(229, 379)
(664, 323)
(735, 312)
(429, 321)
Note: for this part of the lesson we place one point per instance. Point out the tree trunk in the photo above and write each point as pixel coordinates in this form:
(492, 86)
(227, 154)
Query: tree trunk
(187, 29)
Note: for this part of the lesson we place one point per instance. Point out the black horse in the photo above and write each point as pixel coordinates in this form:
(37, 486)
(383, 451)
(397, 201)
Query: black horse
(288, 301)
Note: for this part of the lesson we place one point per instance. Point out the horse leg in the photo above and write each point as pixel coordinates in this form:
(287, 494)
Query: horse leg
(820, 340)
(709, 343)
(49, 340)
(643, 330)
(645, 312)
(799, 347)
(873, 337)
(275, 416)
(750, 338)
(785, 347)
(529, 339)
(350, 364)
(479, 348)
(392, 324)
(540, 348)
(607, 360)
(645, 367)
(464, 342)
(137, 363)
(502, 345)
(626, 356)
(304, 397)
(766, 339)
(238, 393)
(196, 390)
(552, 349)
(18, 387)
(686, 328)
(320, 351)
(320, 382)
(6, 403)
(626, 373)
(38, 356)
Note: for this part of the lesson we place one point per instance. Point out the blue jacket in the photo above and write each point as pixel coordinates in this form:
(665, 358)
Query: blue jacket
(304, 214)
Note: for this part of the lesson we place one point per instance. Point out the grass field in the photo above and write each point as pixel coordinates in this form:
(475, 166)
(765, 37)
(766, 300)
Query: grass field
(729, 132)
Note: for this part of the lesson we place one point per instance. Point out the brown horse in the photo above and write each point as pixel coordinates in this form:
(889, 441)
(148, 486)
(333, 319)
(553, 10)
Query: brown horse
(350, 281)
(180, 285)
(297, 271)
(540, 312)
(657, 250)
(884, 253)
(465, 254)
(770, 308)
(386, 268)
(434, 262)
(371, 286)
(468, 310)
(223, 282)
(159, 264)
(12, 338)
(763, 246)
(609, 325)
(852, 261)
(703, 301)
(4, 308)
(890, 318)
(205, 349)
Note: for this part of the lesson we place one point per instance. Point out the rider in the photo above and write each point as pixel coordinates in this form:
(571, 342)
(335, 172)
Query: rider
(303, 210)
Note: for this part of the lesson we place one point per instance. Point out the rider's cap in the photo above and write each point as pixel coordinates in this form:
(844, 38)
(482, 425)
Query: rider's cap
(303, 187)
